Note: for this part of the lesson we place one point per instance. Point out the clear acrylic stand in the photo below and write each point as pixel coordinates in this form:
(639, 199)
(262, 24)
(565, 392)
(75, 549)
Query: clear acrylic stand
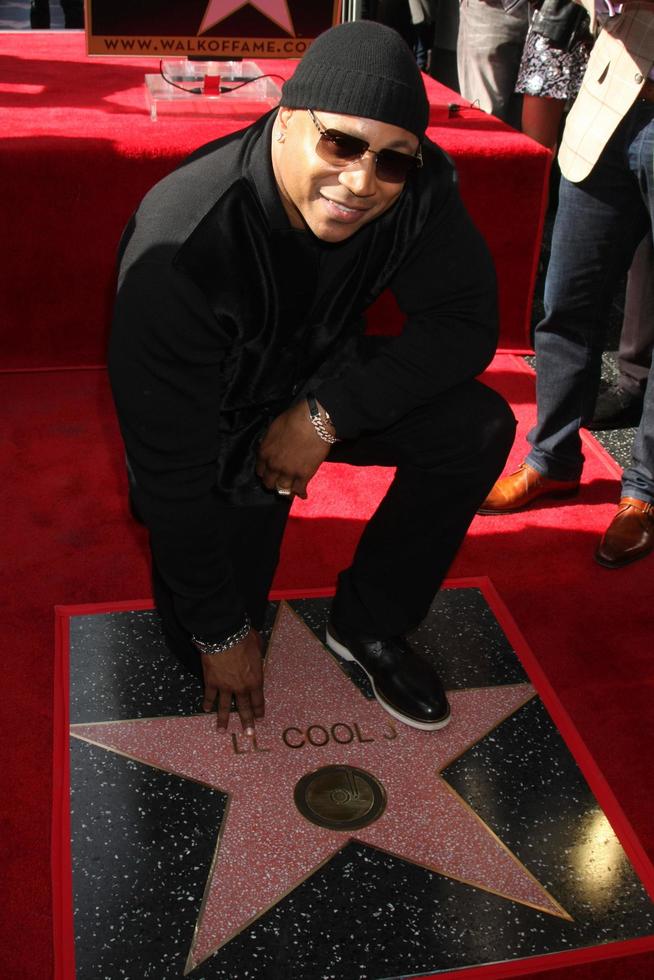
(190, 95)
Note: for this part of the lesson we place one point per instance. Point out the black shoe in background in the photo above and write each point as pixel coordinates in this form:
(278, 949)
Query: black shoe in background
(616, 408)
(404, 684)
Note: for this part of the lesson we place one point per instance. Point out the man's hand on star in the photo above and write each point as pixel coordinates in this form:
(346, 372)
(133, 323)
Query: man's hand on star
(239, 673)
(291, 451)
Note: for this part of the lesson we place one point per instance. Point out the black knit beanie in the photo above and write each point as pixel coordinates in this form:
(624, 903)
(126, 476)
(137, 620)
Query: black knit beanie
(361, 68)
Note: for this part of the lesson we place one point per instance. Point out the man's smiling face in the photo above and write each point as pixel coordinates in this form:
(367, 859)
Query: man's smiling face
(333, 202)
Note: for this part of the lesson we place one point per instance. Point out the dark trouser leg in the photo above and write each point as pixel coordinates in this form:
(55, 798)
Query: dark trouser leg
(40, 14)
(73, 14)
(177, 639)
(448, 455)
(599, 224)
(638, 478)
(253, 537)
(637, 336)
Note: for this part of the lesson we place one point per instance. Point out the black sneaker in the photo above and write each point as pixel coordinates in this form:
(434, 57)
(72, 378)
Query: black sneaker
(403, 683)
(616, 408)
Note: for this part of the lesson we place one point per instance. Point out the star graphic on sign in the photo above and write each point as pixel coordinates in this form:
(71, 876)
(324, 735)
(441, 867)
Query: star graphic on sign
(317, 719)
(275, 10)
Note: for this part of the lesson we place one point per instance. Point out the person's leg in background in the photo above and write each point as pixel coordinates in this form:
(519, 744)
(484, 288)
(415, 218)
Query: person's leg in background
(73, 11)
(549, 76)
(40, 14)
(395, 14)
(443, 55)
(541, 119)
(73, 14)
(599, 224)
(620, 405)
(489, 49)
(630, 535)
(422, 23)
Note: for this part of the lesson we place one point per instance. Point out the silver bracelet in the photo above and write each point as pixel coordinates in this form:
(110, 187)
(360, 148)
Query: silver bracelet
(317, 420)
(224, 645)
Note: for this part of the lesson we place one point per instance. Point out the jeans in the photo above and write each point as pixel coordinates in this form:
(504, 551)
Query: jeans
(599, 224)
(637, 337)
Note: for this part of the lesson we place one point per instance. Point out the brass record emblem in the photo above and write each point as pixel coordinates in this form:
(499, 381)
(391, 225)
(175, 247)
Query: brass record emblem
(340, 797)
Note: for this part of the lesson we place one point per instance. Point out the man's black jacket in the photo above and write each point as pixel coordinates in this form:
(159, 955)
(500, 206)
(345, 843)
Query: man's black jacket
(225, 315)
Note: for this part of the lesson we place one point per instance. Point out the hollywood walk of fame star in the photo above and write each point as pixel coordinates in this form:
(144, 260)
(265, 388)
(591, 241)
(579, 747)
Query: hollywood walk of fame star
(316, 717)
(275, 10)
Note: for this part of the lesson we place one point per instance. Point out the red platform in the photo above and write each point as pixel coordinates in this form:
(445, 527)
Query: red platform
(79, 151)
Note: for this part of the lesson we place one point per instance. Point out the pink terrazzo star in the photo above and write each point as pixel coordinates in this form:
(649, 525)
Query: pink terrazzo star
(266, 847)
(275, 10)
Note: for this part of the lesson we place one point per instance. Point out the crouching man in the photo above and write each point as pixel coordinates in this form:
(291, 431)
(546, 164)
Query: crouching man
(238, 366)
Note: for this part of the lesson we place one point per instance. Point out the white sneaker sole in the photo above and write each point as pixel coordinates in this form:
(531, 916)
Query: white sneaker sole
(425, 726)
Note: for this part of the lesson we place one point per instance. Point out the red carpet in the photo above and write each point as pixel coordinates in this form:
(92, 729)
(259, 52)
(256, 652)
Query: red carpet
(68, 539)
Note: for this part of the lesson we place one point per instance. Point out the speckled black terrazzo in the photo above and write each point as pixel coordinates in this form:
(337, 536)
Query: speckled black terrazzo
(563, 838)
(120, 668)
(143, 839)
(142, 843)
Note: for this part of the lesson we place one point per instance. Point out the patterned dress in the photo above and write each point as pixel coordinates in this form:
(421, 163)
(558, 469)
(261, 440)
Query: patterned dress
(550, 72)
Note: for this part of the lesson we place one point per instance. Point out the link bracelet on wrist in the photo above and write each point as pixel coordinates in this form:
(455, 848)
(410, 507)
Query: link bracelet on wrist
(224, 645)
(317, 421)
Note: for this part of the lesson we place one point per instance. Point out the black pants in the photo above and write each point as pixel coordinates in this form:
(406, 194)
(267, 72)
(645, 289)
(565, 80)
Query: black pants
(73, 13)
(448, 455)
(253, 536)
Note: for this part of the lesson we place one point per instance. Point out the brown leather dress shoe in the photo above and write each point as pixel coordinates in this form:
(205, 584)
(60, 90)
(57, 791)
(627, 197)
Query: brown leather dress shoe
(518, 489)
(629, 536)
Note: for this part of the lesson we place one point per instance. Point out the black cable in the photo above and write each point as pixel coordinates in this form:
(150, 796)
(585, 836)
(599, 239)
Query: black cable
(455, 108)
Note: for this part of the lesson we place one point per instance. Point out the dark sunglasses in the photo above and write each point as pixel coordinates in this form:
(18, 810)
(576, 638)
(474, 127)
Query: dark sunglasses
(340, 149)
